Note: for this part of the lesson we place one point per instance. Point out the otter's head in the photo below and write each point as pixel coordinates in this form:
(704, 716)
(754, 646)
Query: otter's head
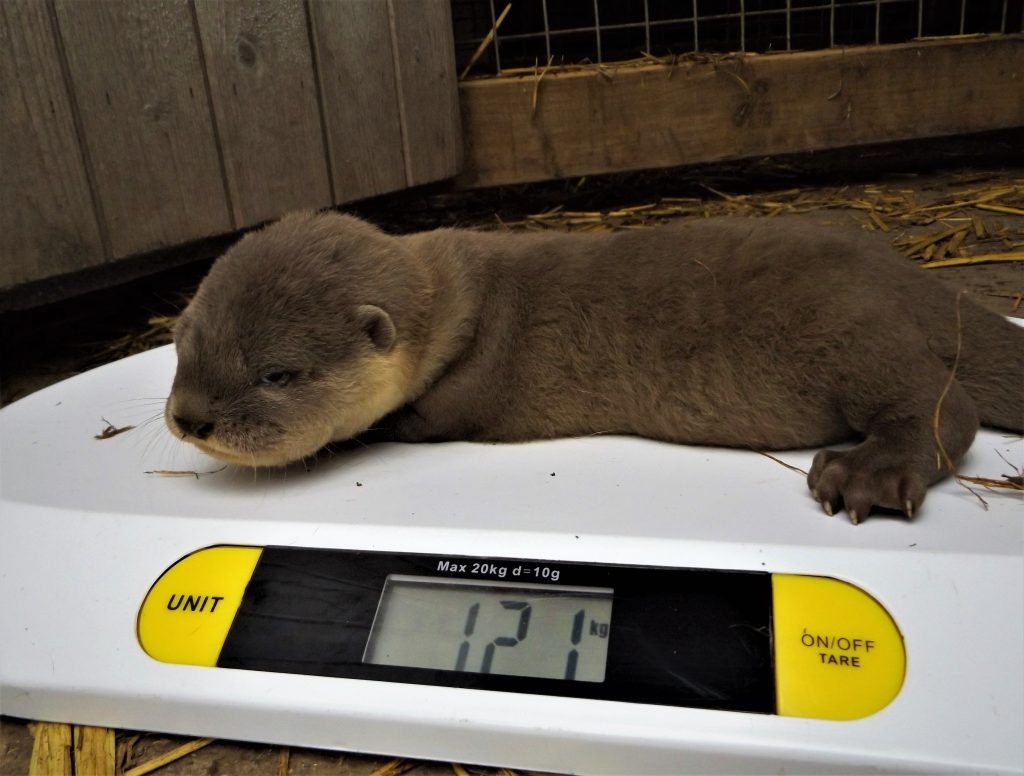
(298, 336)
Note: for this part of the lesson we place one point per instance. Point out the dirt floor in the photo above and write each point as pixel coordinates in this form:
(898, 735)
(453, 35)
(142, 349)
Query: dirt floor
(946, 216)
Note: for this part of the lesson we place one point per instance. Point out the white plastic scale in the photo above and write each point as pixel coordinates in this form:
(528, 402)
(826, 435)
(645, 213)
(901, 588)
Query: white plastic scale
(591, 605)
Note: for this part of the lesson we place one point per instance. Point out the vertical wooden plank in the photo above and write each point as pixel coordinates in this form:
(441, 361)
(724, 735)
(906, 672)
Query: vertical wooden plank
(352, 41)
(51, 749)
(48, 224)
(264, 90)
(94, 751)
(136, 76)
(427, 88)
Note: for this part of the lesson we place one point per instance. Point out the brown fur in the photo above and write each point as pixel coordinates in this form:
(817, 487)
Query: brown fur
(766, 334)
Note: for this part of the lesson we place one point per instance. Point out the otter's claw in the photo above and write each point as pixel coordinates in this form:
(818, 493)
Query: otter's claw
(863, 478)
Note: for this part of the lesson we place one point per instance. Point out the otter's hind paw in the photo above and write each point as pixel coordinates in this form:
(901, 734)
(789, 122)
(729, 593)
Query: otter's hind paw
(860, 479)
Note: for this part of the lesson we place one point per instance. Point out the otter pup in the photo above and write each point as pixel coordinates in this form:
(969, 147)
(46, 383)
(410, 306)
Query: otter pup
(763, 334)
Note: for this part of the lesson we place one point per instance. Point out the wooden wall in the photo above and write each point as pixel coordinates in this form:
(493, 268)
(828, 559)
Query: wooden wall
(587, 121)
(131, 125)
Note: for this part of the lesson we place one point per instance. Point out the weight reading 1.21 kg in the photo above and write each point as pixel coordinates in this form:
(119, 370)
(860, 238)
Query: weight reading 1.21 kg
(542, 631)
(525, 609)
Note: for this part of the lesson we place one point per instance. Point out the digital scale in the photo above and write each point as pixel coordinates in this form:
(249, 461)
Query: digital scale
(598, 605)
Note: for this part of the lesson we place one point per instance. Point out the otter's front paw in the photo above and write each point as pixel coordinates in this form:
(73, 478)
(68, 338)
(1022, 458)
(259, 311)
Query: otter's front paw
(862, 478)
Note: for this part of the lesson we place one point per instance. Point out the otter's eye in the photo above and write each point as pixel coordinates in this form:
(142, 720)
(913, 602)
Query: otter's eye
(277, 379)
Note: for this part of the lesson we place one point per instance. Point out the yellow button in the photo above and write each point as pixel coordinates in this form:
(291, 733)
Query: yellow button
(838, 653)
(188, 611)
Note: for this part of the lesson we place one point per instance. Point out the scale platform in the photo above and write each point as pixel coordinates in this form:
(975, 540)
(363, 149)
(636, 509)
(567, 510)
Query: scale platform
(599, 605)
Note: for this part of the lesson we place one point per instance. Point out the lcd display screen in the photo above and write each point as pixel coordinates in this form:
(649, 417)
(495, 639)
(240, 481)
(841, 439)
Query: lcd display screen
(542, 631)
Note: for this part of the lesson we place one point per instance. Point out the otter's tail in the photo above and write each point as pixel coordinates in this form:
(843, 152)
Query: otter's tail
(991, 366)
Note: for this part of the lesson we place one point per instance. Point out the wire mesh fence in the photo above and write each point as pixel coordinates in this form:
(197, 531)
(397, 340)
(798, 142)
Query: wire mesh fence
(574, 31)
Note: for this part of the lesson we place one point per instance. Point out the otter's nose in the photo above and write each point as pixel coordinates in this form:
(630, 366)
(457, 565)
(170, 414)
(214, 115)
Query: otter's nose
(196, 427)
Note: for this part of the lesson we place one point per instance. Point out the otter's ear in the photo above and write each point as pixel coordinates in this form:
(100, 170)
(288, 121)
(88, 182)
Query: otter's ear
(377, 325)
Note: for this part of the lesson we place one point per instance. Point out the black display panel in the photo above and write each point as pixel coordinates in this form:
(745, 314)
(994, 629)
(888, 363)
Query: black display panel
(682, 637)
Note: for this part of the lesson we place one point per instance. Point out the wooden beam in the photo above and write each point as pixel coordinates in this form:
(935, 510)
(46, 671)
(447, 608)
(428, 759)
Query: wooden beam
(591, 120)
